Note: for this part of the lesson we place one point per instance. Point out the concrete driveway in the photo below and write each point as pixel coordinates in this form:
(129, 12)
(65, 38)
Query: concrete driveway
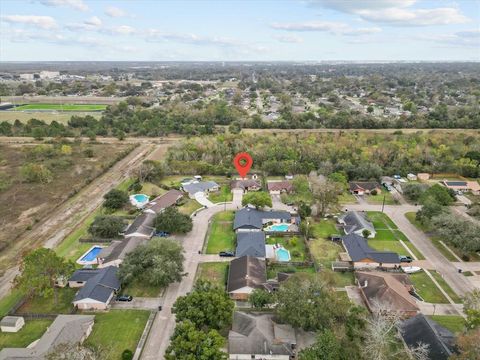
(202, 199)
(137, 303)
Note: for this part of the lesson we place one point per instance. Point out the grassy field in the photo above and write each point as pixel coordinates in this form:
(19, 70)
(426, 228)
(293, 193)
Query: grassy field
(47, 117)
(446, 287)
(31, 331)
(7, 302)
(295, 245)
(116, 331)
(381, 220)
(215, 272)
(347, 198)
(224, 194)
(273, 269)
(456, 324)
(62, 107)
(188, 206)
(427, 289)
(221, 235)
(137, 289)
(378, 199)
(39, 305)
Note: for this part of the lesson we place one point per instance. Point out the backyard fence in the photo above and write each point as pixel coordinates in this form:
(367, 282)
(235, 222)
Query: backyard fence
(90, 240)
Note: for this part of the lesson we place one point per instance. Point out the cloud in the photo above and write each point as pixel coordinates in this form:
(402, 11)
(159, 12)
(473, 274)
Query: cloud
(93, 21)
(470, 38)
(290, 39)
(362, 31)
(115, 12)
(395, 12)
(42, 22)
(121, 30)
(153, 35)
(75, 4)
(337, 28)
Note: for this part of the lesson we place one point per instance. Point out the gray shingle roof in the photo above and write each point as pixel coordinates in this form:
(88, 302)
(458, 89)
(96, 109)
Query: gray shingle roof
(248, 217)
(246, 271)
(84, 274)
(363, 185)
(163, 201)
(200, 186)
(355, 221)
(250, 243)
(9, 320)
(245, 184)
(358, 249)
(421, 329)
(143, 224)
(117, 250)
(101, 286)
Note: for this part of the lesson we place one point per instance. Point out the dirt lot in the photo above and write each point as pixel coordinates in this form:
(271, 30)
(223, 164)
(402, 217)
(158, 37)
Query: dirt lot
(24, 204)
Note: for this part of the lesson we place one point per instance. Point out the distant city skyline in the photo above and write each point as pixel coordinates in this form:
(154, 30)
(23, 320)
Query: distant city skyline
(309, 30)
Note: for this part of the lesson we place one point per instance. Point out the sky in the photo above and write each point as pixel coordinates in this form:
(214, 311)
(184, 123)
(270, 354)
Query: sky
(248, 30)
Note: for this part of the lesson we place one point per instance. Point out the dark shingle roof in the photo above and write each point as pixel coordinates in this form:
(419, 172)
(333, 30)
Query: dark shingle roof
(420, 329)
(142, 224)
(246, 271)
(163, 201)
(84, 274)
(355, 221)
(358, 249)
(363, 185)
(117, 250)
(201, 186)
(248, 217)
(245, 184)
(280, 185)
(250, 243)
(100, 286)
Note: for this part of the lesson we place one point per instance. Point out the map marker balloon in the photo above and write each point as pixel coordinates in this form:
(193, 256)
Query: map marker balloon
(243, 162)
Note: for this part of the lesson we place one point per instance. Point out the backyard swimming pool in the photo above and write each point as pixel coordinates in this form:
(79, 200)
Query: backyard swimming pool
(139, 200)
(90, 257)
(282, 254)
(278, 227)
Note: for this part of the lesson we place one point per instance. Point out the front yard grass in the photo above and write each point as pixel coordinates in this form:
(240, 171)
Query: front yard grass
(117, 330)
(221, 236)
(453, 295)
(378, 199)
(223, 195)
(347, 198)
(427, 289)
(295, 245)
(454, 323)
(381, 220)
(138, 289)
(388, 245)
(323, 229)
(31, 331)
(215, 272)
(39, 305)
(189, 206)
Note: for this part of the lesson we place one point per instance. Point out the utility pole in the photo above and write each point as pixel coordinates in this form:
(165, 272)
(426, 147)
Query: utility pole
(383, 203)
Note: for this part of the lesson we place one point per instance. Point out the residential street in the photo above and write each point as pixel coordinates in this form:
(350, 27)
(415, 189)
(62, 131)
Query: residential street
(459, 283)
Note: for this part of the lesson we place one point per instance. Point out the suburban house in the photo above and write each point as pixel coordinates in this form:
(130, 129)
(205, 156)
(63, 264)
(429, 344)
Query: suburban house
(364, 187)
(246, 185)
(354, 222)
(251, 219)
(421, 329)
(362, 256)
(423, 176)
(251, 243)
(12, 323)
(160, 203)
(278, 187)
(65, 329)
(472, 186)
(390, 292)
(142, 226)
(412, 177)
(244, 275)
(115, 253)
(258, 336)
(204, 187)
(98, 290)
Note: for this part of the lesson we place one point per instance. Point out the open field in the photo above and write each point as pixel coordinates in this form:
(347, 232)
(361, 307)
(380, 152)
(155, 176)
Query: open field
(61, 107)
(47, 117)
(215, 272)
(32, 331)
(221, 236)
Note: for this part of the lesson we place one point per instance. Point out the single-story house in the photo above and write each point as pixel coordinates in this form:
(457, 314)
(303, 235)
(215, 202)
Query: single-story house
(245, 274)
(362, 256)
(364, 187)
(472, 186)
(65, 329)
(251, 219)
(390, 292)
(278, 187)
(204, 187)
(81, 276)
(412, 177)
(423, 330)
(246, 185)
(251, 243)
(258, 336)
(354, 222)
(160, 203)
(115, 253)
(99, 290)
(423, 176)
(142, 226)
(12, 323)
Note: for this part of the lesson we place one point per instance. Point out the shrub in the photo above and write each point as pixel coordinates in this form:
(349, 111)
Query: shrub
(115, 199)
(36, 173)
(135, 187)
(127, 354)
(293, 241)
(296, 253)
(374, 192)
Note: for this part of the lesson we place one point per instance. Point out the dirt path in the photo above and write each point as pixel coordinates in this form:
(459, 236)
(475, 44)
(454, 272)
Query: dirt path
(69, 215)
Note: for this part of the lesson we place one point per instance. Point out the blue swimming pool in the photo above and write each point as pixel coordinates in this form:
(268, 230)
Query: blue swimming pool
(91, 255)
(282, 254)
(278, 227)
(141, 198)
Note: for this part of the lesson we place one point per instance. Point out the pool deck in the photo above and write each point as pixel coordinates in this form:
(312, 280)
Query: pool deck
(86, 262)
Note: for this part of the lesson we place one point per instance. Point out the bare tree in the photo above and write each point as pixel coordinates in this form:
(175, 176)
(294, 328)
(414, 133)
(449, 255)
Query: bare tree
(68, 351)
(325, 193)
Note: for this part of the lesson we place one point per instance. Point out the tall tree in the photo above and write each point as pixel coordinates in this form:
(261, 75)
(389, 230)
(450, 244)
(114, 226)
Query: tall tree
(115, 199)
(106, 226)
(259, 199)
(327, 347)
(468, 346)
(325, 193)
(39, 271)
(171, 220)
(471, 305)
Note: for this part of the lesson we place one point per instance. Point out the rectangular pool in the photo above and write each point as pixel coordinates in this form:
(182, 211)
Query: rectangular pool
(90, 257)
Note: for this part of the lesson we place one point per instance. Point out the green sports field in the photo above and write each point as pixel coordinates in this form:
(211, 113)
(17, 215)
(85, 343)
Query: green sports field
(61, 107)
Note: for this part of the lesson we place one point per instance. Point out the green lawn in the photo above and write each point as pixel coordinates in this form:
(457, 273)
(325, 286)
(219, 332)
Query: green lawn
(62, 107)
(324, 251)
(221, 236)
(31, 331)
(427, 289)
(215, 272)
(454, 323)
(8, 301)
(347, 198)
(453, 295)
(117, 330)
(411, 216)
(295, 245)
(384, 235)
(224, 194)
(387, 245)
(323, 229)
(137, 289)
(273, 269)
(39, 305)
(189, 206)
(152, 190)
(381, 220)
(125, 184)
(378, 199)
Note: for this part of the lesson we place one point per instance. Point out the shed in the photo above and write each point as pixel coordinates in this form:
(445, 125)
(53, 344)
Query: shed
(12, 323)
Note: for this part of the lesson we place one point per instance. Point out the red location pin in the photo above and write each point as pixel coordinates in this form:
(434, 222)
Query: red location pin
(243, 162)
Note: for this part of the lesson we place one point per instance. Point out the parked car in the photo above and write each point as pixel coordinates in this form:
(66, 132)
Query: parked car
(226, 253)
(406, 259)
(124, 298)
(163, 234)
